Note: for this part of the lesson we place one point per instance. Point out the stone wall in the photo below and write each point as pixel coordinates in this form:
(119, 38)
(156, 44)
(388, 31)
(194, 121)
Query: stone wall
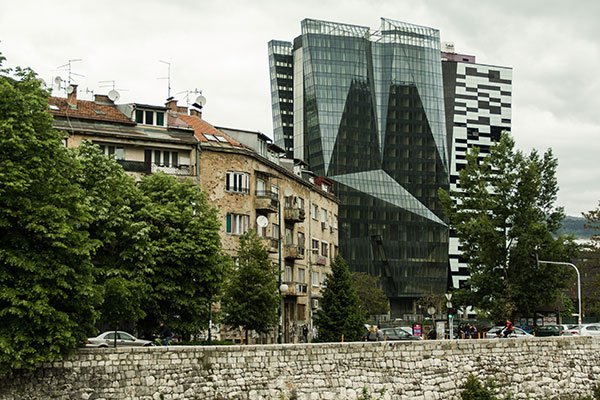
(541, 368)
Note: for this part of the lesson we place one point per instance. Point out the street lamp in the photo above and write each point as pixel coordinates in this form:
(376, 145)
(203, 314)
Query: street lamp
(578, 285)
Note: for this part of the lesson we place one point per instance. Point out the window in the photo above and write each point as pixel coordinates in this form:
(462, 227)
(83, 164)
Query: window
(300, 203)
(165, 158)
(237, 224)
(301, 275)
(289, 273)
(314, 210)
(323, 215)
(150, 117)
(315, 246)
(315, 279)
(275, 231)
(237, 182)
(324, 249)
(288, 236)
(112, 150)
(335, 221)
(301, 239)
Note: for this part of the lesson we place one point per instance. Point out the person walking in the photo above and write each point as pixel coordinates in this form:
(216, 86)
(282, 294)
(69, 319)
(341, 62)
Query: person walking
(508, 330)
(165, 334)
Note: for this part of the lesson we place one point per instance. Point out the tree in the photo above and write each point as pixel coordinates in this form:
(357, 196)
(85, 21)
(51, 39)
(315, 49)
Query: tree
(373, 299)
(189, 264)
(505, 219)
(251, 295)
(47, 291)
(341, 315)
(590, 265)
(123, 258)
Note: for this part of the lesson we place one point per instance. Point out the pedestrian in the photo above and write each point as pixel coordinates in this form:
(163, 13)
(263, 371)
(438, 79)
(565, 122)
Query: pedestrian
(165, 334)
(508, 329)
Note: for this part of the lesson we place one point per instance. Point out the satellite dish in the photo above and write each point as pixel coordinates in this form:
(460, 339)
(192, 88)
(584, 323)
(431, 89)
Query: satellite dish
(200, 102)
(70, 89)
(262, 221)
(113, 95)
(58, 80)
(288, 192)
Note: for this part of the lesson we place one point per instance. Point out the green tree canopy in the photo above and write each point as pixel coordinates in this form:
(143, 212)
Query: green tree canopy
(251, 295)
(505, 218)
(341, 313)
(590, 265)
(47, 291)
(189, 264)
(123, 258)
(373, 300)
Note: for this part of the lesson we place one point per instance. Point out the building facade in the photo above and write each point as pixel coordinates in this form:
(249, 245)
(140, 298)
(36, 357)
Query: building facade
(369, 114)
(295, 217)
(478, 100)
(242, 176)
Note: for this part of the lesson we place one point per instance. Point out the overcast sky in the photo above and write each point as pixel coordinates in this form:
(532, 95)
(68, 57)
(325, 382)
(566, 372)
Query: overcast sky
(220, 48)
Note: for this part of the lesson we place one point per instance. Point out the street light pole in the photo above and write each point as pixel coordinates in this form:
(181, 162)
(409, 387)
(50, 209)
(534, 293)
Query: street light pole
(578, 286)
(279, 282)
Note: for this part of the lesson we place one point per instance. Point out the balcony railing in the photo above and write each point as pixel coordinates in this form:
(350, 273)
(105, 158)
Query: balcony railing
(296, 289)
(272, 244)
(294, 214)
(266, 201)
(147, 168)
(293, 251)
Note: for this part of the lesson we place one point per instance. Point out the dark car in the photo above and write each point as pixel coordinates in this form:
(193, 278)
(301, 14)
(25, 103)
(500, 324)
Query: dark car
(398, 334)
(548, 330)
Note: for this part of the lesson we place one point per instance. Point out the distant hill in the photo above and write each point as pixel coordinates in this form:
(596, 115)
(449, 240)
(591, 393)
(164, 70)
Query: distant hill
(575, 226)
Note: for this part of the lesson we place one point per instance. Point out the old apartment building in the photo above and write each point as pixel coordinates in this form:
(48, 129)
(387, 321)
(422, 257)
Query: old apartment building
(242, 174)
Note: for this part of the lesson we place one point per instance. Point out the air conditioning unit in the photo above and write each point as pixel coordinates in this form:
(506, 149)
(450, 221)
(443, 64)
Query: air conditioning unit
(315, 303)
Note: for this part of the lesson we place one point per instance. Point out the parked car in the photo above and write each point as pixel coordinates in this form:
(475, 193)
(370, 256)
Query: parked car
(494, 333)
(569, 329)
(398, 334)
(590, 330)
(548, 330)
(124, 339)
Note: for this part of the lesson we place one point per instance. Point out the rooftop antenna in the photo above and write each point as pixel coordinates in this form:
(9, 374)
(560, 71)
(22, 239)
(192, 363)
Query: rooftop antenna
(112, 94)
(188, 93)
(168, 78)
(68, 65)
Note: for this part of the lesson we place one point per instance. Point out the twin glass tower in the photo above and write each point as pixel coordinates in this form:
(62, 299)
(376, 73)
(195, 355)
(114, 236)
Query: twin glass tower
(366, 110)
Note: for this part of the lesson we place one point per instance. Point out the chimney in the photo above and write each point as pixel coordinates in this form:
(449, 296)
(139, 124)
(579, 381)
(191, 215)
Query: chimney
(171, 104)
(196, 112)
(72, 97)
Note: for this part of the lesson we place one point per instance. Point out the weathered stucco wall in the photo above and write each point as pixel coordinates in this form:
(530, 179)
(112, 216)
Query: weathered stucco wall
(541, 368)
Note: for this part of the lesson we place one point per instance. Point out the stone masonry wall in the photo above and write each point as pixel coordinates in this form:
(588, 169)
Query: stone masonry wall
(541, 368)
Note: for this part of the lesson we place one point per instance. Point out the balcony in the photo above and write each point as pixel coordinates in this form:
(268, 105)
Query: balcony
(147, 168)
(320, 260)
(296, 289)
(292, 251)
(272, 244)
(180, 170)
(266, 201)
(294, 214)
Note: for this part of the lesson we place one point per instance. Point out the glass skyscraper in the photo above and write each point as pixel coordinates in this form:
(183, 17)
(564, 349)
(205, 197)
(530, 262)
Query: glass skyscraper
(368, 113)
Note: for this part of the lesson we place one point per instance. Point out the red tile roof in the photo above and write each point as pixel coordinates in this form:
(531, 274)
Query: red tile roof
(88, 110)
(201, 126)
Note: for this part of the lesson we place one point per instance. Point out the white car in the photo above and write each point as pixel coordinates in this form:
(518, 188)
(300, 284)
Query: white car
(494, 333)
(569, 329)
(124, 339)
(590, 330)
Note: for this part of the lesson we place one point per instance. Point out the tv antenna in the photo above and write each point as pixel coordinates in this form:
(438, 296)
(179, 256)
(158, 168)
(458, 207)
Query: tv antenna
(112, 94)
(70, 72)
(168, 78)
(198, 102)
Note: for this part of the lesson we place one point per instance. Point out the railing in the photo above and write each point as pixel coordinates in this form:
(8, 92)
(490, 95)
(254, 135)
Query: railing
(294, 251)
(147, 168)
(294, 214)
(266, 200)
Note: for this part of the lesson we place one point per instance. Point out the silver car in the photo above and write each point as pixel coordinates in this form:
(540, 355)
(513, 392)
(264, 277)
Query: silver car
(590, 330)
(518, 333)
(124, 339)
